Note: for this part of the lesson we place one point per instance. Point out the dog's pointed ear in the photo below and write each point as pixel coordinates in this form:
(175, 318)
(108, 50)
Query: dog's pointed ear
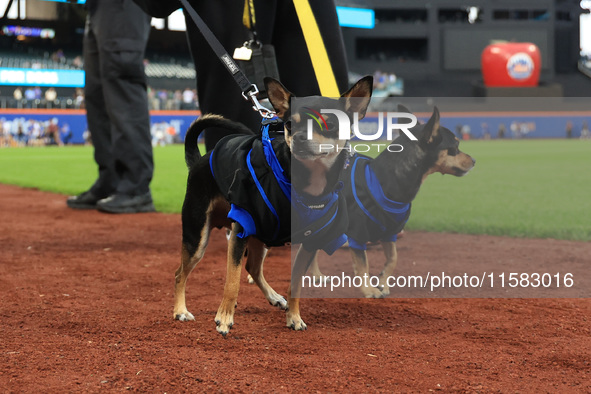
(402, 108)
(278, 95)
(431, 129)
(361, 95)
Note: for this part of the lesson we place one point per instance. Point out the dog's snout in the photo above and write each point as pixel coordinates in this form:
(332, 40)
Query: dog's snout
(473, 161)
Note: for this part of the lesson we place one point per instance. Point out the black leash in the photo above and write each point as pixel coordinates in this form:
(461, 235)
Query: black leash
(249, 90)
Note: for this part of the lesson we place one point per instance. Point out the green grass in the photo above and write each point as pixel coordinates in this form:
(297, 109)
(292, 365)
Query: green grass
(525, 188)
(71, 170)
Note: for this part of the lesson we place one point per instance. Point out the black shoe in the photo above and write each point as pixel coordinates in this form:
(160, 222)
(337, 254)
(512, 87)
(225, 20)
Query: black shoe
(85, 200)
(123, 203)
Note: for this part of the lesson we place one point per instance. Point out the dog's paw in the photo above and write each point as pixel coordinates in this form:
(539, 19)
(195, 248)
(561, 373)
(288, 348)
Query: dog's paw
(224, 323)
(295, 322)
(372, 292)
(184, 316)
(278, 301)
(384, 286)
(250, 280)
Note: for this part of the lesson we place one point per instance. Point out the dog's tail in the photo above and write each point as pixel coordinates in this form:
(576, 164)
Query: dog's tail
(208, 120)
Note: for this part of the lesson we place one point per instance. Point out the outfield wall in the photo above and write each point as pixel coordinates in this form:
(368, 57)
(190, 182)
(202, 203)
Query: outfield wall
(516, 124)
(75, 121)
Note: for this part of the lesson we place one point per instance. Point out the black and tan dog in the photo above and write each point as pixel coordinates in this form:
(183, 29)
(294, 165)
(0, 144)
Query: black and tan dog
(379, 191)
(244, 184)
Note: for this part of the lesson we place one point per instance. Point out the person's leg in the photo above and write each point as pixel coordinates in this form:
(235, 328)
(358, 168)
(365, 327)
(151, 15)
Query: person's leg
(279, 25)
(97, 118)
(98, 125)
(123, 31)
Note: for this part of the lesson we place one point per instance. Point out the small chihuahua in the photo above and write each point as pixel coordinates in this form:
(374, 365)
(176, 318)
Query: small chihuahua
(245, 184)
(379, 191)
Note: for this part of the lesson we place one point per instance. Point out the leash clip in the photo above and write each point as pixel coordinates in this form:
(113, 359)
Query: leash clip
(251, 95)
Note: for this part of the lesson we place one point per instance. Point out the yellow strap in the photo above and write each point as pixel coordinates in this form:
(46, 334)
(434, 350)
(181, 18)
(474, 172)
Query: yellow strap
(322, 67)
(246, 16)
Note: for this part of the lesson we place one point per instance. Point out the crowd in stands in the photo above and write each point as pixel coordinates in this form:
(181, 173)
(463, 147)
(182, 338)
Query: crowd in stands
(22, 132)
(35, 97)
(69, 98)
(157, 69)
(37, 60)
(164, 99)
(381, 80)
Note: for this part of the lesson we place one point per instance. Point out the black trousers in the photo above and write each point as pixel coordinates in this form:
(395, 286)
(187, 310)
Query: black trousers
(277, 24)
(115, 39)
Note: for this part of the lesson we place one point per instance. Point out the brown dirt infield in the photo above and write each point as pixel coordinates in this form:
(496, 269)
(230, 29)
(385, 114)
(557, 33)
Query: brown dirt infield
(86, 304)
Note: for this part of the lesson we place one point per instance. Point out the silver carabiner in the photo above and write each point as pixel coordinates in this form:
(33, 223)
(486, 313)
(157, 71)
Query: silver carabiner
(252, 97)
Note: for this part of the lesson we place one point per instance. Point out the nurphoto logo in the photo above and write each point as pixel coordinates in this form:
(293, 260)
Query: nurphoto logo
(389, 120)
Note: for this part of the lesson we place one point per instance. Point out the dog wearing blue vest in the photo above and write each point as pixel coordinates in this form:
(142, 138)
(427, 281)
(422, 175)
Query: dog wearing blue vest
(245, 184)
(380, 191)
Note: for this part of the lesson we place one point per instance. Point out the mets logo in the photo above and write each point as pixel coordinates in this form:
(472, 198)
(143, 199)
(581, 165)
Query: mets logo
(520, 66)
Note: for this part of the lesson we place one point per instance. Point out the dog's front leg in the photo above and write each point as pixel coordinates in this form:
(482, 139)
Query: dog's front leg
(361, 268)
(300, 266)
(254, 265)
(314, 270)
(391, 260)
(224, 319)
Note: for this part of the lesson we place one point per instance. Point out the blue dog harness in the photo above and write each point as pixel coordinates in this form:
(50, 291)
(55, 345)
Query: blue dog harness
(374, 217)
(320, 222)
(251, 173)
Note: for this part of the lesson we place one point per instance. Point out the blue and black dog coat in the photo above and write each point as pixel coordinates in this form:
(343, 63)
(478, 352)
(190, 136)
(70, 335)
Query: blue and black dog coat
(374, 217)
(252, 173)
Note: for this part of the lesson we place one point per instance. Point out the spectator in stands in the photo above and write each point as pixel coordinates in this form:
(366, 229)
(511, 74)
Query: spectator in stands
(585, 131)
(115, 40)
(188, 99)
(177, 99)
(77, 62)
(53, 133)
(171, 134)
(50, 95)
(21, 136)
(169, 102)
(380, 80)
(196, 99)
(466, 132)
(29, 97)
(277, 24)
(35, 133)
(485, 131)
(79, 98)
(87, 137)
(4, 140)
(66, 134)
(58, 56)
(162, 97)
(515, 130)
(38, 93)
(153, 101)
(569, 129)
(18, 97)
(501, 131)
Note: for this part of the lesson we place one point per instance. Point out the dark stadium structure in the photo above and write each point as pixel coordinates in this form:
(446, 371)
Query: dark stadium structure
(435, 46)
